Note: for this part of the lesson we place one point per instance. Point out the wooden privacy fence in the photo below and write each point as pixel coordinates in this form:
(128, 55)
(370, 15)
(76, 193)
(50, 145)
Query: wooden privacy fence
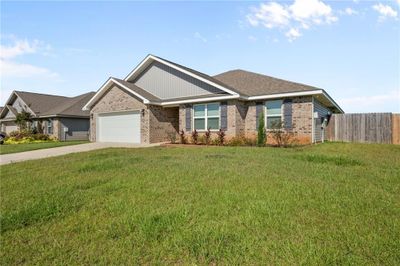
(368, 128)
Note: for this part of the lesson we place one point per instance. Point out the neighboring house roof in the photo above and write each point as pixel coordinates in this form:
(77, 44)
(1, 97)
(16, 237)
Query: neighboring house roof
(254, 84)
(233, 84)
(45, 105)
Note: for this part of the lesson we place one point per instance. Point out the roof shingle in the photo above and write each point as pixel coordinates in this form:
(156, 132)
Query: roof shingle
(253, 84)
(46, 105)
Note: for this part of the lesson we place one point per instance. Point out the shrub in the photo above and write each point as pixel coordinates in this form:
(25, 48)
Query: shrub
(250, 141)
(281, 137)
(214, 141)
(202, 139)
(172, 137)
(242, 141)
(236, 141)
(207, 136)
(18, 135)
(261, 135)
(41, 137)
(13, 133)
(195, 136)
(26, 136)
(221, 137)
(182, 137)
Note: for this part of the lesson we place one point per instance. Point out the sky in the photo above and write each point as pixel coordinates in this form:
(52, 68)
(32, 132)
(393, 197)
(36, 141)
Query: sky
(349, 48)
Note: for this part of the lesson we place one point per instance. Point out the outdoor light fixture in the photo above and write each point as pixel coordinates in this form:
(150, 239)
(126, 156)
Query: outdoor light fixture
(142, 112)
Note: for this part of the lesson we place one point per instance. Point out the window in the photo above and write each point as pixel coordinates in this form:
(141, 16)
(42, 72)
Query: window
(50, 126)
(206, 116)
(274, 113)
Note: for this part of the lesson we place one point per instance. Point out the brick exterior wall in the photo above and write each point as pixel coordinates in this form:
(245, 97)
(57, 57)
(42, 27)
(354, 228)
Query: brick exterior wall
(301, 119)
(56, 128)
(242, 119)
(163, 123)
(117, 99)
(156, 123)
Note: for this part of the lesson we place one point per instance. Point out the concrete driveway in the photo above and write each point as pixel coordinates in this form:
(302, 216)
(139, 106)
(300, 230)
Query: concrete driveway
(51, 152)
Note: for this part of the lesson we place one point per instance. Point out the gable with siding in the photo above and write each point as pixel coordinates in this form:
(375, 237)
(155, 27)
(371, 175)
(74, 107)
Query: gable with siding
(168, 83)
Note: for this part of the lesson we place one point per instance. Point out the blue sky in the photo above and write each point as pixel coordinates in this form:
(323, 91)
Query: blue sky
(349, 48)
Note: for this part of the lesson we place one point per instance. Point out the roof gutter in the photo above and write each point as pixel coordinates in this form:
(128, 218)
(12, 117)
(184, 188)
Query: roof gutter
(198, 100)
(332, 101)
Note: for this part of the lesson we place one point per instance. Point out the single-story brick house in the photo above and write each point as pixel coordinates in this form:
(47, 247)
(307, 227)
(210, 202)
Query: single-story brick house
(160, 97)
(59, 116)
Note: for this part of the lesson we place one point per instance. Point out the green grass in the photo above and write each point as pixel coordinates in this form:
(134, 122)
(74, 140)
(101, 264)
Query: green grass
(332, 203)
(14, 148)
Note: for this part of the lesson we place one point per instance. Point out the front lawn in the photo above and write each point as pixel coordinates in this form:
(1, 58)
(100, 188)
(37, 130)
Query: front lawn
(326, 204)
(13, 148)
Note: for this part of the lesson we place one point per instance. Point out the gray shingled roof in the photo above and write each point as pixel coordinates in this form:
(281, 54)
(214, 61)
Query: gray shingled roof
(49, 105)
(248, 83)
(253, 84)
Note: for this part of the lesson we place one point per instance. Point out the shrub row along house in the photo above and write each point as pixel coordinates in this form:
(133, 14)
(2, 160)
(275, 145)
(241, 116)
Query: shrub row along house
(160, 97)
(58, 116)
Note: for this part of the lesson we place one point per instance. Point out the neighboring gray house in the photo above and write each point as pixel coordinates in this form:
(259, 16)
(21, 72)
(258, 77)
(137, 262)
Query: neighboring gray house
(159, 98)
(59, 116)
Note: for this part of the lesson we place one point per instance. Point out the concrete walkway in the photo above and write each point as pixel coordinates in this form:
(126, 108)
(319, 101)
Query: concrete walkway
(51, 152)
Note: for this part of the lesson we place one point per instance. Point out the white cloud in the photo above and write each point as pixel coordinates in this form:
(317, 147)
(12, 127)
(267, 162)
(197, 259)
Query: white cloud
(197, 35)
(312, 11)
(371, 103)
(302, 14)
(9, 68)
(385, 11)
(20, 47)
(19, 70)
(269, 15)
(293, 34)
(349, 11)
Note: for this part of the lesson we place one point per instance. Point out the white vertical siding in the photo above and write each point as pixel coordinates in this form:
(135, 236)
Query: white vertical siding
(167, 83)
(322, 112)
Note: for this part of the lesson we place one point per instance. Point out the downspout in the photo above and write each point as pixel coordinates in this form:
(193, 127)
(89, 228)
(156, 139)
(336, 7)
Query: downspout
(312, 119)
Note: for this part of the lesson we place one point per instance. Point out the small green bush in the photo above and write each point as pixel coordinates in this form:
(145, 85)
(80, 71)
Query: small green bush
(261, 136)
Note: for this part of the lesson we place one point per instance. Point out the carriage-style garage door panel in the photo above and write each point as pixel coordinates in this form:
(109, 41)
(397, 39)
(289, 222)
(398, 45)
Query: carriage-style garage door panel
(119, 127)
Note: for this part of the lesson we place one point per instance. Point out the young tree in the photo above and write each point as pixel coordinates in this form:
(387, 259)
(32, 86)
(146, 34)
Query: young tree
(261, 136)
(22, 119)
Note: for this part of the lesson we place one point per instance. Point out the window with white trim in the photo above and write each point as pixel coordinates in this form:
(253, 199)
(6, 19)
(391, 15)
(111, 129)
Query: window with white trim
(273, 113)
(206, 116)
(50, 126)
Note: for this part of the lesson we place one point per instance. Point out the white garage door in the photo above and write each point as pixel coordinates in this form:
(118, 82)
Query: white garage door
(119, 127)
